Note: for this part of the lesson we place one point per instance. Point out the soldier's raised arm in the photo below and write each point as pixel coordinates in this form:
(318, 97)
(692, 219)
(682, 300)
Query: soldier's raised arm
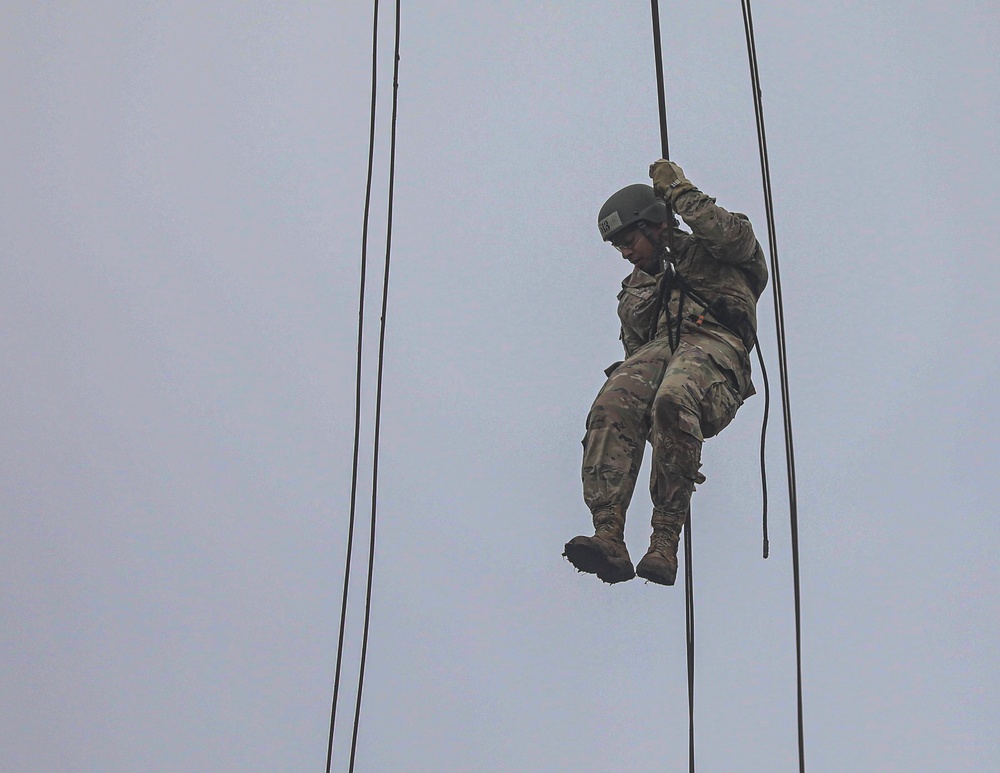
(728, 237)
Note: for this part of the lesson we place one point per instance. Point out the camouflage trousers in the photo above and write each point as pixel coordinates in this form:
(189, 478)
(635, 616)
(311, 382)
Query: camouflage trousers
(673, 398)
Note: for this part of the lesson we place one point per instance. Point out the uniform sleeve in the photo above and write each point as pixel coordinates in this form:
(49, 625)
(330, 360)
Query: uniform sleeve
(728, 237)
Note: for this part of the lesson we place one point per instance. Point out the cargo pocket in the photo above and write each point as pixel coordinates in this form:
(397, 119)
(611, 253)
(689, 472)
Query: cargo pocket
(718, 407)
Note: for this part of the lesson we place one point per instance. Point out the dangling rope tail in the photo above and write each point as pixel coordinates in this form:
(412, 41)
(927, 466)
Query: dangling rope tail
(779, 316)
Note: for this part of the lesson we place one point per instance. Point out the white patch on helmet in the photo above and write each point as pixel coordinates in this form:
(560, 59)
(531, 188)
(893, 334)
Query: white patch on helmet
(610, 223)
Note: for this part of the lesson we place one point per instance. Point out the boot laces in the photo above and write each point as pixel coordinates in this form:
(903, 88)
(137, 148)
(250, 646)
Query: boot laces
(663, 542)
(607, 526)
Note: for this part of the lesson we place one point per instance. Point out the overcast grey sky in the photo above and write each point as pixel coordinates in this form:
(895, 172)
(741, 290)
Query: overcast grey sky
(182, 196)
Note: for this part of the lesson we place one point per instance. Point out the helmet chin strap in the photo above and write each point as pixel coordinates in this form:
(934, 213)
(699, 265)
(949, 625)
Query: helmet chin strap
(661, 245)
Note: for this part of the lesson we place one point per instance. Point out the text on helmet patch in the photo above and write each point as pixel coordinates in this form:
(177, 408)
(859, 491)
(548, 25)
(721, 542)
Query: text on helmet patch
(609, 224)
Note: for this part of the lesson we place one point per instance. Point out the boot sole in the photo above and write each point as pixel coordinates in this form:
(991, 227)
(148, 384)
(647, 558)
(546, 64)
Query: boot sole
(652, 576)
(591, 560)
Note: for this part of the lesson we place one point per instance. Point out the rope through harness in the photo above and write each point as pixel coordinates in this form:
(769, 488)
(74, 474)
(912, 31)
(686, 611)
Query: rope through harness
(666, 288)
(661, 98)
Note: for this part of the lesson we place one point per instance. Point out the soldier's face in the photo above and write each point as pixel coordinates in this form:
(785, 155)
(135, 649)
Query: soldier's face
(637, 250)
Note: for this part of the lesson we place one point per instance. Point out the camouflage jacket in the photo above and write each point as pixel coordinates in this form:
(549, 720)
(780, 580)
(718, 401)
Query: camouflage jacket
(721, 261)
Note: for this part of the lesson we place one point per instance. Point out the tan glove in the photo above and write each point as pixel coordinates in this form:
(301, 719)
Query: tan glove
(668, 179)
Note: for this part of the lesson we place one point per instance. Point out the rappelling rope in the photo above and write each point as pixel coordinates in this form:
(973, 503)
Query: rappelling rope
(378, 394)
(357, 393)
(779, 315)
(688, 576)
(689, 634)
(378, 391)
(783, 371)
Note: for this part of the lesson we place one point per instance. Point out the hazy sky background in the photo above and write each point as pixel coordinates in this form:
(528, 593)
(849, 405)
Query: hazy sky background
(183, 186)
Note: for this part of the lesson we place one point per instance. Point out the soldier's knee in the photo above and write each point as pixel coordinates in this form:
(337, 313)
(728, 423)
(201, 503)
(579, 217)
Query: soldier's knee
(666, 412)
(672, 416)
(619, 402)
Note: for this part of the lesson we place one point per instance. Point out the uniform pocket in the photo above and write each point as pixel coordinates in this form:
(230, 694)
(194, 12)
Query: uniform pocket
(718, 407)
(636, 307)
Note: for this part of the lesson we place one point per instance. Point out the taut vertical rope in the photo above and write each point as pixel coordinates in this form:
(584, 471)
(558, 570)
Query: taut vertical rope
(357, 401)
(689, 628)
(688, 576)
(378, 393)
(779, 315)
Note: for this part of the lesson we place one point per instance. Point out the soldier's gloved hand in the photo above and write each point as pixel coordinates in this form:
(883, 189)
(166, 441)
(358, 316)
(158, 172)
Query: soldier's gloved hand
(668, 179)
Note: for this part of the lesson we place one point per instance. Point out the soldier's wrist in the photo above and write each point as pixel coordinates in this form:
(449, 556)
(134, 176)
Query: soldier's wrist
(675, 192)
(678, 187)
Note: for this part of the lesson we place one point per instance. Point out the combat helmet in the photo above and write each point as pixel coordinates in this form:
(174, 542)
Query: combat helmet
(627, 207)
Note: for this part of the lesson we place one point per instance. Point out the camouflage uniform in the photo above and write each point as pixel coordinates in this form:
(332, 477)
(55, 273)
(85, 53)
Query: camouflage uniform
(676, 397)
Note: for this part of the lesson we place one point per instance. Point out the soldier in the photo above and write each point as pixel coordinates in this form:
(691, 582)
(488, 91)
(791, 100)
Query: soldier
(687, 330)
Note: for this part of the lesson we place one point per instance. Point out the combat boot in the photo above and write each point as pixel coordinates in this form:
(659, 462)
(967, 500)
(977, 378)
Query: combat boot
(605, 553)
(659, 565)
